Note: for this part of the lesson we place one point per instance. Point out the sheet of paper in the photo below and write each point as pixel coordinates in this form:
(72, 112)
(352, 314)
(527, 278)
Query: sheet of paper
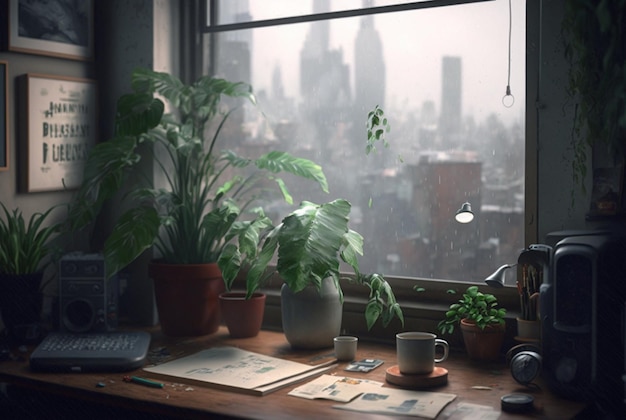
(400, 402)
(266, 389)
(337, 388)
(232, 367)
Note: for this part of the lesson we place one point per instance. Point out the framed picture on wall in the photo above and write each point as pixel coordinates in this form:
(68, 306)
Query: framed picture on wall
(59, 28)
(4, 119)
(58, 126)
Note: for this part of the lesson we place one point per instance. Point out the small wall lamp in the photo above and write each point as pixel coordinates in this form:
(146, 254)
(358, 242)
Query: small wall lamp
(464, 214)
(498, 277)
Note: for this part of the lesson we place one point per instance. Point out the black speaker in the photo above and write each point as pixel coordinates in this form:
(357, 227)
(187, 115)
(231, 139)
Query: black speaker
(88, 302)
(582, 313)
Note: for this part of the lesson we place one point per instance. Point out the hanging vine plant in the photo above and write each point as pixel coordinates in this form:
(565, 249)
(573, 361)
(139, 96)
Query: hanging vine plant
(596, 49)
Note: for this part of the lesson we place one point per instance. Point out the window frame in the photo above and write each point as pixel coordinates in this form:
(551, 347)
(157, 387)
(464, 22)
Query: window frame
(424, 309)
(210, 6)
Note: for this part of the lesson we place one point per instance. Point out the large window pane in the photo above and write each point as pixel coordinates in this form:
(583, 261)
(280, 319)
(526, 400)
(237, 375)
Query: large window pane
(440, 75)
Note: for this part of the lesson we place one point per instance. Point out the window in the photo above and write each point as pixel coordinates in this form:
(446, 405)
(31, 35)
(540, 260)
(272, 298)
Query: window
(439, 73)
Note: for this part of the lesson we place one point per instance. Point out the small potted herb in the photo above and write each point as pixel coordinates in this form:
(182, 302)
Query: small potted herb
(482, 323)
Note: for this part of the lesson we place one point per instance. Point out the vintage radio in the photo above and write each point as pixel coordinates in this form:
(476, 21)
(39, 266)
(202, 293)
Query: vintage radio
(582, 314)
(87, 300)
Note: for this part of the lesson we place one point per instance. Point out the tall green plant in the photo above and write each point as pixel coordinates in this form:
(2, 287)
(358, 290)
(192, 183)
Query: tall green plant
(189, 220)
(24, 246)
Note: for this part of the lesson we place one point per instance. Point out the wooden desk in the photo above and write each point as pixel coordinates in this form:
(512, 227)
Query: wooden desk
(193, 401)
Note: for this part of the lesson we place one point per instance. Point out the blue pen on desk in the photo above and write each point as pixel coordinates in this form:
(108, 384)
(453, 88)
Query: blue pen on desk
(143, 381)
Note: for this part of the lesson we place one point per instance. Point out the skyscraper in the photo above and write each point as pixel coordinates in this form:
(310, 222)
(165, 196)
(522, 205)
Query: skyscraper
(235, 47)
(451, 102)
(324, 85)
(369, 81)
(369, 66)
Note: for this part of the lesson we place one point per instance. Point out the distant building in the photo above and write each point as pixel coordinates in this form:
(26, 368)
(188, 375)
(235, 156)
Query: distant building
(450, 118)
(369, 66)
(325, 88)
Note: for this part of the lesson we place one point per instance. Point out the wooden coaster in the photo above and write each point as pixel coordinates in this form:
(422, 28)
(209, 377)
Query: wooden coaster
(438, 377)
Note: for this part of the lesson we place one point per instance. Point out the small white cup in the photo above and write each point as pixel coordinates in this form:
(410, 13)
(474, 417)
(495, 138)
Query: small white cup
(416, 352)
(345, 347)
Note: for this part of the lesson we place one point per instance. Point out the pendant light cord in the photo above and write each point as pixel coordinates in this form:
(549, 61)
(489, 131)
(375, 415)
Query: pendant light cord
(508, 99)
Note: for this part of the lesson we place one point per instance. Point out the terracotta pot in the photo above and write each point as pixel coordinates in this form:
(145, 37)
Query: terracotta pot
(187, 297)
(311, 319)
(242, 316)
(482, 344)
(20, 305)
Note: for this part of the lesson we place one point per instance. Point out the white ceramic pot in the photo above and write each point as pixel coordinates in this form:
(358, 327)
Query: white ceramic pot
(310, 319)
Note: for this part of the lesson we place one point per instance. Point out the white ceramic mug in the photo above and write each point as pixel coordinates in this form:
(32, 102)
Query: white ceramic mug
(345, 347)
(416, 352)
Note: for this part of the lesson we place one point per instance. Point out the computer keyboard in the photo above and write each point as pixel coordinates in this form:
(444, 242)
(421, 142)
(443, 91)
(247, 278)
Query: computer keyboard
(106, 351)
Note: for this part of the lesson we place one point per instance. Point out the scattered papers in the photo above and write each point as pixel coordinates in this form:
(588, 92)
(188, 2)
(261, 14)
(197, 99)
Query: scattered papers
(337, 388)
(468, 411)
(238, 370)
(400, 402)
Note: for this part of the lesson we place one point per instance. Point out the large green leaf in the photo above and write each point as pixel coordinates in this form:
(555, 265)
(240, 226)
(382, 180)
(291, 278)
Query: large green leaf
(257, 271)
(229, 263)
(310, 241)
(134, 233)
(353, 247)
(137, 113)
(277, 161)
(247, 235)
(169, 86)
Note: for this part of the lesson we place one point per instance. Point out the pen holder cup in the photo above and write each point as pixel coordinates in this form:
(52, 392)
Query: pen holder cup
(529, 330)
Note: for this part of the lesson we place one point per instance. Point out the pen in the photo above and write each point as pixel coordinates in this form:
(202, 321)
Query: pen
(143, 381)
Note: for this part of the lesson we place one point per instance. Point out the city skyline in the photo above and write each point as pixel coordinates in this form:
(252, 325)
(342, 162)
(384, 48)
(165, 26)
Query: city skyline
(413, 65)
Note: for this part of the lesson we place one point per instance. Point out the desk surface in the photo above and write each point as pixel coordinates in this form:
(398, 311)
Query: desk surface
(194, 401)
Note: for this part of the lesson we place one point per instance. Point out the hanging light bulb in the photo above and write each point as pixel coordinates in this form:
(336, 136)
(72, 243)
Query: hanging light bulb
(508, 99)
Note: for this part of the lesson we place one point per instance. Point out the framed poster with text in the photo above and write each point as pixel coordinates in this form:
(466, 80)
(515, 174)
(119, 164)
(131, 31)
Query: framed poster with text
(58, 28)
(58, 129)
(4, 119)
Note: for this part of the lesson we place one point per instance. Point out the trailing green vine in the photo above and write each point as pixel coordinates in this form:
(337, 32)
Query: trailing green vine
(596, 50)
(377, 127)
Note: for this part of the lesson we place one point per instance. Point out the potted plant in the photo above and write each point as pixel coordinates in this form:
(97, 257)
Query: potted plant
(482, 323)
(25, 250)
(206, 191)
(310, 244)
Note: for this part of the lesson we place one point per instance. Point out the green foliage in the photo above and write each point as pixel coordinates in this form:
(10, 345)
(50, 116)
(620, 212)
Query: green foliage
(596, 49)
(191, 219)
(310, 243)
(24, 246)
(475, 306)
(377, 127)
